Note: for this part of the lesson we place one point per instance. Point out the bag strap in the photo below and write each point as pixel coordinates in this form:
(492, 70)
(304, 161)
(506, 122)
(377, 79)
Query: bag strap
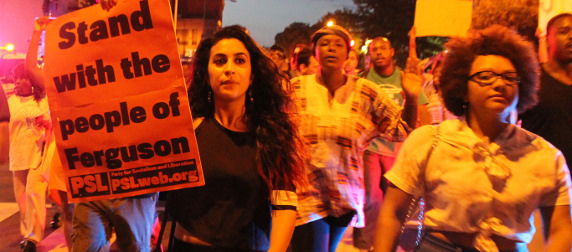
(418, 201)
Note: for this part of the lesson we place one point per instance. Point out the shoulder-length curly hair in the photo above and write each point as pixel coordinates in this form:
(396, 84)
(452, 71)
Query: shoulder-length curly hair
(280, 147)
(494, 40)
(20, 72)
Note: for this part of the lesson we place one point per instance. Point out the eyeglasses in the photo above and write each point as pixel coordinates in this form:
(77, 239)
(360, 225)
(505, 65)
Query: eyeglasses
(485, 78)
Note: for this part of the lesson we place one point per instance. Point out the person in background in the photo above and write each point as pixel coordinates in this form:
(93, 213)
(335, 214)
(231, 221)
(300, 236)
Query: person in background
(250, 149)
(380, 155)
(432, 89)
(28, 110)
(278, 55)
(54, 173)
(481, 176)
(340, 114)
(293, 58)
(552, 117)
(305, 63)
(351, 63)
(4, 110)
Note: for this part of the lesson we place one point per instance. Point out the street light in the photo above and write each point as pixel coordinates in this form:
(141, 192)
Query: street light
(330, 23)
(8, 48)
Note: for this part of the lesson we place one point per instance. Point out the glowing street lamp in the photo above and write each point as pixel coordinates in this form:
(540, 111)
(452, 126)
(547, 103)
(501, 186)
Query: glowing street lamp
(9, 47)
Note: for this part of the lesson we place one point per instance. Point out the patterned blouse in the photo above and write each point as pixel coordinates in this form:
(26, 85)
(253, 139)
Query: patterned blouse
(339, 128)
(476, 186)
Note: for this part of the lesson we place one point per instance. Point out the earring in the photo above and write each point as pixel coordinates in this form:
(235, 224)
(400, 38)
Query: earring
(209, 97)
(251, 97)
(465, 107)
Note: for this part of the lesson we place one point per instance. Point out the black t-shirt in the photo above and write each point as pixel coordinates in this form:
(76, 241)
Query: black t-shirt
(552, 117)
(233, 209)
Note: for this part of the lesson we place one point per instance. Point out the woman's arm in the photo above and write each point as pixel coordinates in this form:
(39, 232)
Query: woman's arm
(4, 110)
(283, 223)
(391, 217)
(557, 222)
(36, 73)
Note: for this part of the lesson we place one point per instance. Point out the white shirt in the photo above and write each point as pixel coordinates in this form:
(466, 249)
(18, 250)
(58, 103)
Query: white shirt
(476, 186)
(26, 140)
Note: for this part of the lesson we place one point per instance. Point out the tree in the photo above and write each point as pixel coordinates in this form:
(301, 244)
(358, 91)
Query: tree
(372, 18)
(521, 15)
(295, 33)
(345, 18)
(387, 18)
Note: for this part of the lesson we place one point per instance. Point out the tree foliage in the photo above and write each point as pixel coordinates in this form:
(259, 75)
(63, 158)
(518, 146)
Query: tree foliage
(300, 33)
(295, 33)
(394, 18)
(388, 18)
(521, 15)
(345, 18)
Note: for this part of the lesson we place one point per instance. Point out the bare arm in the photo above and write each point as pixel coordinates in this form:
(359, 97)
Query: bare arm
(36, 73)
(424, 116)
(4, 110)
(411, 82)
(283, 223)
(557, 222)
(391, 217)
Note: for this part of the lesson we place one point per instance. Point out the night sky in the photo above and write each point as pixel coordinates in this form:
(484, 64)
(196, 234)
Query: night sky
(264, 18)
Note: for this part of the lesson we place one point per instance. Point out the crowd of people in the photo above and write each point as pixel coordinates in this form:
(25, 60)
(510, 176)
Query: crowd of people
(312, 146)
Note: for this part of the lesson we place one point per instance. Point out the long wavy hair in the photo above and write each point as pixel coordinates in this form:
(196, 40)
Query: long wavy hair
(494, 40)
(281, 157)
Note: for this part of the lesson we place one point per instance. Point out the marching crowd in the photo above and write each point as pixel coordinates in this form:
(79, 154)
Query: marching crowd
(467, 144)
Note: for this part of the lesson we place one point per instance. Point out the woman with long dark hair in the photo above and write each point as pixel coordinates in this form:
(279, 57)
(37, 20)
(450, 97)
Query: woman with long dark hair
(249, 147)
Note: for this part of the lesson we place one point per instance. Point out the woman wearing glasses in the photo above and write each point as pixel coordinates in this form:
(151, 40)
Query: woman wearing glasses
(481, 176)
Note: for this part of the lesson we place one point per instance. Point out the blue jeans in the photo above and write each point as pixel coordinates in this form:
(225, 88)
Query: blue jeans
(131, 218)
(322, 235)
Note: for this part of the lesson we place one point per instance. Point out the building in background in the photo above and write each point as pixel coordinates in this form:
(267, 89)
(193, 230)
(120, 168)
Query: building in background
(196, 19)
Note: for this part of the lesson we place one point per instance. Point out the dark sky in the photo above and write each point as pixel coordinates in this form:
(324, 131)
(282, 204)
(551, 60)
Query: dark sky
(266, 18)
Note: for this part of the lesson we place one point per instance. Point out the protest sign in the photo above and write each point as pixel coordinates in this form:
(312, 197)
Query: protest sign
(118, 102)
(445, 18)
(550, 8)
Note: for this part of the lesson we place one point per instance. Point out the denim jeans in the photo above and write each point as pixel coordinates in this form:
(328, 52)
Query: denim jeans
(131, 218)
(322, 235)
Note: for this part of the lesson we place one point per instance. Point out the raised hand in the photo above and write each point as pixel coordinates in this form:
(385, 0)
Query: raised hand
(411, 80)
(41, 22)
(108, 4)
